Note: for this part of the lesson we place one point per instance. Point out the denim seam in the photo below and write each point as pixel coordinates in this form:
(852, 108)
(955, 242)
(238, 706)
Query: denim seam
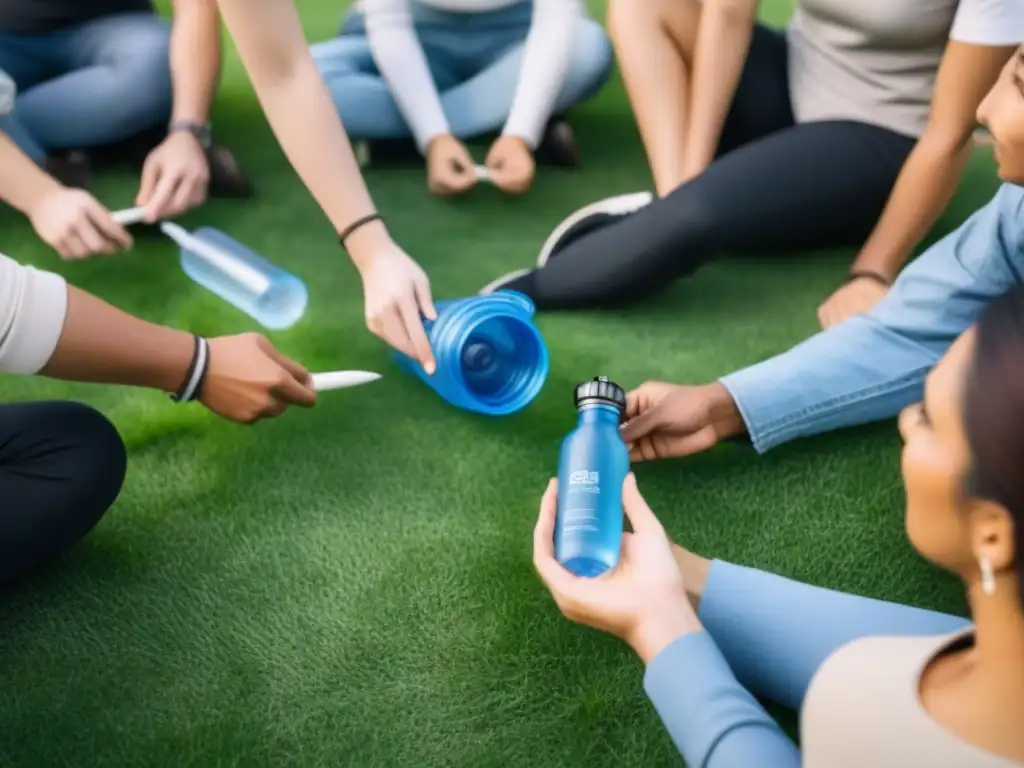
(780, 425)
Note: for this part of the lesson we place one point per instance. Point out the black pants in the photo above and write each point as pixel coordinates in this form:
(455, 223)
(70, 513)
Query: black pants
(61, 467)
(775, 186)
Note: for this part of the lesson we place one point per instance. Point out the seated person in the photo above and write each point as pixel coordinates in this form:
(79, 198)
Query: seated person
(62, 463)
(405, 68)
(849, 129)
(113, 78)
(878, 684)
(870, 366)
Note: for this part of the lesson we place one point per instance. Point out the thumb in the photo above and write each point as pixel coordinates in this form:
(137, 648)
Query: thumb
(640, 515)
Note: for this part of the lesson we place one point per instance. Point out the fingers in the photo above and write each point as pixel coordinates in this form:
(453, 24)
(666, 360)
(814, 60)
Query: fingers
(640, 515)
(664, 445)
(293, 391)
(390, 327)
(642, 424)
(115, 234)
(163, 194)
(413, 326)
(425, 299)
(551, 572)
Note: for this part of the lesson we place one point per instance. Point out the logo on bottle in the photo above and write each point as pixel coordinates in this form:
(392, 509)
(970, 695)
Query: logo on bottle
(585, 477)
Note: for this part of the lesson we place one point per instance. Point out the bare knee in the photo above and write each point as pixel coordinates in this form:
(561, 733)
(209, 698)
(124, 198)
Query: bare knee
(677, 19)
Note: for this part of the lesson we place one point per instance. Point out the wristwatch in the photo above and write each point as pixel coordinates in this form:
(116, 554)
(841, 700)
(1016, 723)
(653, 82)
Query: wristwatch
(201, 131)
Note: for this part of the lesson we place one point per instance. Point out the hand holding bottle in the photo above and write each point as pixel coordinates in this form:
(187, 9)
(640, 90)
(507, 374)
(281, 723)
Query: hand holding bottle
(672, 420)
(397, 291)
(643, 601)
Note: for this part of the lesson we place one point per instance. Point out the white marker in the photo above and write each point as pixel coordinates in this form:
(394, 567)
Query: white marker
(482, 174)
(342, 379)
(129, 216)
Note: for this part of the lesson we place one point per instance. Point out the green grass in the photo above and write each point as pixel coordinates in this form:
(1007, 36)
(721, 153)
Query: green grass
(352, 585)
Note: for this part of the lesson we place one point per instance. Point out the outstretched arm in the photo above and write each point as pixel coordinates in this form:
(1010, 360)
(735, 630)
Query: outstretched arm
(775, 632)
(51, 328)
(272, 45)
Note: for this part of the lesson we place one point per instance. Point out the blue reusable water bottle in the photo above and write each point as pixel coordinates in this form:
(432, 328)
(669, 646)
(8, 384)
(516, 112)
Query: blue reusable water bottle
(491, 358)
(593, 465)
(276, 299)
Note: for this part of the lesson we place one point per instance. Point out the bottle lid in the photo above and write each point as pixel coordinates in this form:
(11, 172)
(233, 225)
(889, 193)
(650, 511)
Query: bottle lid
(600, 389)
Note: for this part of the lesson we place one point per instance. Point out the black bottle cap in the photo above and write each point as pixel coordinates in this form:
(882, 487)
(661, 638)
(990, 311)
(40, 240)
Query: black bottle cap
(599, 389)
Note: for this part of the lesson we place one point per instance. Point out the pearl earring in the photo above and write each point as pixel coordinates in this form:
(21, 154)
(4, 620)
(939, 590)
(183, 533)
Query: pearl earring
(988, 577)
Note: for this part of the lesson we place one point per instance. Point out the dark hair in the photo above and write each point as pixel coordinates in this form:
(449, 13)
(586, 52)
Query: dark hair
(994, 411)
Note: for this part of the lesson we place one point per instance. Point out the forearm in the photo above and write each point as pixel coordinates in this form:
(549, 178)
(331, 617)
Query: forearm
(723, 40)
(102, 344)
(776, 632)
(195, 58)
(22, 182)
(545, 64)
(713, 721)
(273, 49)
(925, 186)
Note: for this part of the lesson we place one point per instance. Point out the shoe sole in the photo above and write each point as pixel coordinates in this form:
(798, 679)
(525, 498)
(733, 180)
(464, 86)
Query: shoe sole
(577, 223)
(501, 282)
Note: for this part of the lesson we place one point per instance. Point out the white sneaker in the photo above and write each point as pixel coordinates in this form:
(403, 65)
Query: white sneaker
(501, 282)
(591, 217)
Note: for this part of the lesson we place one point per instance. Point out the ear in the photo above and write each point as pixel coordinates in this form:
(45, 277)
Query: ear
(991, 534)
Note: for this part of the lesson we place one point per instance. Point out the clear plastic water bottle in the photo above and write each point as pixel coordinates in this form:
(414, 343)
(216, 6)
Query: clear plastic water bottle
(276, 299)
(593, 465)
(491, 358)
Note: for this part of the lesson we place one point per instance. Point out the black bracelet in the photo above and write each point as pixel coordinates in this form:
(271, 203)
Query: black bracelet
(346, 233)
(196, 375)
(857, 274)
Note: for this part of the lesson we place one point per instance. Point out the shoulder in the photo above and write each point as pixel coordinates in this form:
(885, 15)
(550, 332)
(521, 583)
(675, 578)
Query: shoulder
(989, 22)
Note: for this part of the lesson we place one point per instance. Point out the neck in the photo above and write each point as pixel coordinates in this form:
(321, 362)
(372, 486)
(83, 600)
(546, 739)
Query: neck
(997, 660)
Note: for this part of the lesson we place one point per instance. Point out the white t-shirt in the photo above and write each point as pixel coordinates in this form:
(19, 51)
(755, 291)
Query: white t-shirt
(33, 305)
(399, 56)
(876, 60)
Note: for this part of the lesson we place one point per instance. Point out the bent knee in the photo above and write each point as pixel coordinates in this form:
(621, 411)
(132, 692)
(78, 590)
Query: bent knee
(141, 56)
(95, 457)
(592, 54)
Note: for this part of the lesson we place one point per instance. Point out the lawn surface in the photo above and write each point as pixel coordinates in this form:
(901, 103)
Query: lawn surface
(352, 585)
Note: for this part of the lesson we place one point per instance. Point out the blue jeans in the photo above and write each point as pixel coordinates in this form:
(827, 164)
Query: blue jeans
(488, 46)
(89, 85)
(871, 366)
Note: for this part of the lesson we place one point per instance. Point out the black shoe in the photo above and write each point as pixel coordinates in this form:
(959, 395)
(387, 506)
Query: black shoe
(227, 179)
(71, 168)
(387, 152)
(558, 146)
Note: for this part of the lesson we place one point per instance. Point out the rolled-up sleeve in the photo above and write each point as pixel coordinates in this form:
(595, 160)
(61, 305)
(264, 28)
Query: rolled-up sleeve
(33, 307)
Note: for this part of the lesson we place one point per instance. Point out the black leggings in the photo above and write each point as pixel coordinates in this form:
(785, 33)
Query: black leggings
(775, 186)
(61, 467)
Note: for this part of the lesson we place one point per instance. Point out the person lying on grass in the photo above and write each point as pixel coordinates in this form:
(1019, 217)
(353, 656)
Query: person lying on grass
(437, 75)
(272, 45)
(872, 365)
(87, 81)
(62, 463)
(878, 684)
(850, 128)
